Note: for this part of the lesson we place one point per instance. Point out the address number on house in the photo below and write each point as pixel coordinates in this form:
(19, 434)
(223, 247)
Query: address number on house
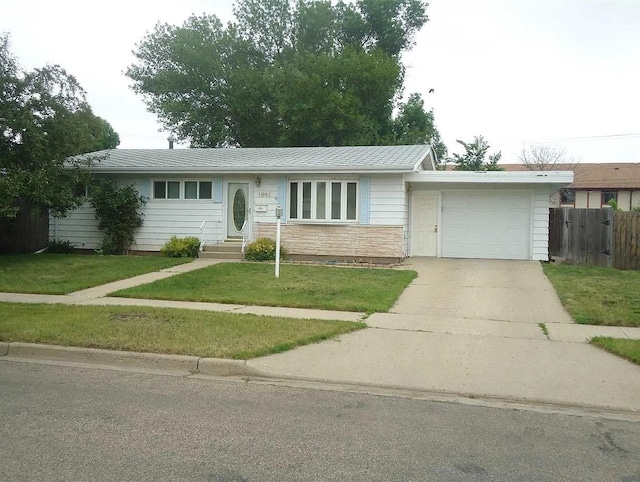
(265, 194)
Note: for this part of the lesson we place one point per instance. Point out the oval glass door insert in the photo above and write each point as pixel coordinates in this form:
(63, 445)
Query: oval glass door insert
(239, 209)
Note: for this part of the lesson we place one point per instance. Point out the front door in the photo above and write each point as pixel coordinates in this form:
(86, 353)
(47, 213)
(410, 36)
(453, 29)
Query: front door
(238, 208)
(424, 223)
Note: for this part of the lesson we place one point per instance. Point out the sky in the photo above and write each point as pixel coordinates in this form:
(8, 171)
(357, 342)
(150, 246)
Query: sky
(564, 73)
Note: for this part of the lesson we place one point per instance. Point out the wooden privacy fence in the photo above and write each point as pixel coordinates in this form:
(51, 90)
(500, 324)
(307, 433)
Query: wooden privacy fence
(626, 237)
(26, 233)
(598, 237)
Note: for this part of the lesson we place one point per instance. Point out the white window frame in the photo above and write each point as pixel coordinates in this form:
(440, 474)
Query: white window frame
(181, 189)
(197, 181)
(328, 193)
(166, 190)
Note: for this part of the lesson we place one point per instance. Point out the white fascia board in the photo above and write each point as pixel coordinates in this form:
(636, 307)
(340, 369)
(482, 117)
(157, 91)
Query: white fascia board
(206, 170)
(419, 166)
(492, 177)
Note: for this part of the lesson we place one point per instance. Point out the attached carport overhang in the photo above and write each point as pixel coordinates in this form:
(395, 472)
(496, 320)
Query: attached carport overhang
(486, 214)
(555, 179)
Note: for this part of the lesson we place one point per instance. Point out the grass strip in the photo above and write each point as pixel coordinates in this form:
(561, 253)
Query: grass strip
(347, 289)
(160, 330)
(629, 349)
(597, 296)
(59, 274)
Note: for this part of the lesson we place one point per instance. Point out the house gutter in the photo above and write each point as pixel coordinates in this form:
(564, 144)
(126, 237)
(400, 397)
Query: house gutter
(208, 170)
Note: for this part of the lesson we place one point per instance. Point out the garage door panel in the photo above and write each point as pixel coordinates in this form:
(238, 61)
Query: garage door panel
(486, 225)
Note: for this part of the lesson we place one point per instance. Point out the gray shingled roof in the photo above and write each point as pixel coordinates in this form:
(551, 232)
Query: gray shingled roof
(285, 159)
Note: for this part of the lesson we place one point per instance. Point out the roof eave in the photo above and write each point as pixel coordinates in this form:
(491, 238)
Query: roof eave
(208, 170)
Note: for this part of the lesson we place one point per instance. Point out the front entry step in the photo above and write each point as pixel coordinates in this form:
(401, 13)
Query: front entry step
(230, 249)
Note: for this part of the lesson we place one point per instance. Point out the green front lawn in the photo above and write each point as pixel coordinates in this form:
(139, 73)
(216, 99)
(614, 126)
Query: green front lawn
(629, 349)
(59, 274)
(597, 296)
(349, 289)
(157, 330)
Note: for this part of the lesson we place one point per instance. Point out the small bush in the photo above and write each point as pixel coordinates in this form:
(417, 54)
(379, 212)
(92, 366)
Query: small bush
(60, 246)
(614, 204)
(181, 247)
(116, 209)
(263, 249)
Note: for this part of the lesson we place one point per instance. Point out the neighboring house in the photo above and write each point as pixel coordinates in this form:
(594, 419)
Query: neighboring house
(337, 202)
(594, 185)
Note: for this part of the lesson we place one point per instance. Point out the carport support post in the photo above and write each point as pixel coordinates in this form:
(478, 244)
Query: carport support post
(278, 216)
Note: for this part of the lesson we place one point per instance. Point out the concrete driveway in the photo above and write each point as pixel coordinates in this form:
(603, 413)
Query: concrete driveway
(481, 289)
(471, 327)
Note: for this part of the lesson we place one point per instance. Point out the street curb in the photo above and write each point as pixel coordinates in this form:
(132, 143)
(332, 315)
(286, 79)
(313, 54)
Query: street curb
(104, 357)
(224, 367)
(221, 367)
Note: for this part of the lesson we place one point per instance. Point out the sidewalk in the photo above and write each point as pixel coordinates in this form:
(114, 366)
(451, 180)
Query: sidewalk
(98, 296)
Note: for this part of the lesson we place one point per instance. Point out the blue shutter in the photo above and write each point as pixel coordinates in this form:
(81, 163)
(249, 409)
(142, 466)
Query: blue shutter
(282, 197)
(217, 190)
(143, 187)
(365, 200)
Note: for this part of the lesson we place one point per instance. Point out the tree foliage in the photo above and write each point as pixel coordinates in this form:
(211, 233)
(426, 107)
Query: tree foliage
(116, 209)
(44, 118)
(414, 125)
(309, 73)
(475, 157)
(540, 157)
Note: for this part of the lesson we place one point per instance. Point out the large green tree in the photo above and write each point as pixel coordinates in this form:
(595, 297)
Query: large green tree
(476, 157)
(44, 118)
(309, 73)
(415, 125)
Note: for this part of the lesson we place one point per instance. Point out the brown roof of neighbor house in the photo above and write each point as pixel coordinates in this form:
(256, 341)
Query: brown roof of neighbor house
(613, 175)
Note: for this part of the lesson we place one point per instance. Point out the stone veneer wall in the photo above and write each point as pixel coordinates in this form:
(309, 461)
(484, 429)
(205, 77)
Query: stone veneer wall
(337, 240)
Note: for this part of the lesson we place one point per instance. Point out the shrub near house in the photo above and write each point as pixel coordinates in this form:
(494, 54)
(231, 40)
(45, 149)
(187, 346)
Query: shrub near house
(188, 247)
(263, 249)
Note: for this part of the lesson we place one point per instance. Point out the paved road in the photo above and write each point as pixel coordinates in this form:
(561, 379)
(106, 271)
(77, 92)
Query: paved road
(63, 423)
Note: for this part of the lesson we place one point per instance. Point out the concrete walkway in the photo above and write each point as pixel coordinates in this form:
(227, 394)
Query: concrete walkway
(468, 327)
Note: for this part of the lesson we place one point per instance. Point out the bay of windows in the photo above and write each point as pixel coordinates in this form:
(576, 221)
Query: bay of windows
(182, 189)
(323, 201)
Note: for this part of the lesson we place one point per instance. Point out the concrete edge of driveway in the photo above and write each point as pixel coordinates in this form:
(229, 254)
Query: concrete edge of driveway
(126, 359)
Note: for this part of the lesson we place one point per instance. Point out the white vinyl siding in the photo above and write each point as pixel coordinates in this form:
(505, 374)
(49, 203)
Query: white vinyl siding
(540, 235)
(80, 227)
(388, 200)
(162, 218)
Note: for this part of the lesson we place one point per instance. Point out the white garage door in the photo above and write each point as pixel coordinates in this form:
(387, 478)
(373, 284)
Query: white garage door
(486, 224)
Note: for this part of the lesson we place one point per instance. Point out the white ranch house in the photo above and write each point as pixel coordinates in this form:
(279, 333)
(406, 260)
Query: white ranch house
(337, 202)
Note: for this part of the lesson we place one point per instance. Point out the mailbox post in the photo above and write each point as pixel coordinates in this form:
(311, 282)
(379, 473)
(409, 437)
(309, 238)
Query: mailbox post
(278, 216)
